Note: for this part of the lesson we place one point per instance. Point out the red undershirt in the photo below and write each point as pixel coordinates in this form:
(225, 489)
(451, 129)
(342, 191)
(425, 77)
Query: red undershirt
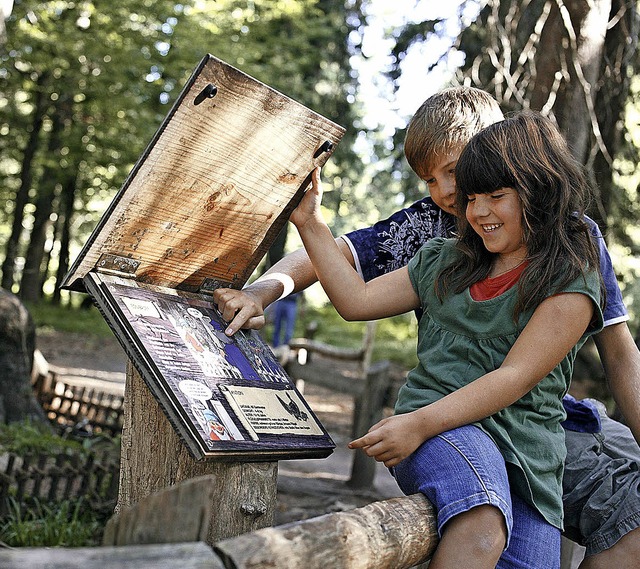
(491, 287)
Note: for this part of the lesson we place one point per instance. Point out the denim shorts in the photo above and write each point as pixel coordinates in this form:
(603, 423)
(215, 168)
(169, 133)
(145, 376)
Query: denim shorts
(601, 485)
(463, 468)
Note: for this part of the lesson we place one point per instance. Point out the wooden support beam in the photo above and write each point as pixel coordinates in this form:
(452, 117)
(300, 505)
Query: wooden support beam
(153, 457)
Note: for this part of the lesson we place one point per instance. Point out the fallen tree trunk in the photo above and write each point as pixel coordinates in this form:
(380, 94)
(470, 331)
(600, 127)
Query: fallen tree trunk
(393, 534)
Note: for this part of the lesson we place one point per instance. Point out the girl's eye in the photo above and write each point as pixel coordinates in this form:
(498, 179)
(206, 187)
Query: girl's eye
(430, 181)
(497, 196)
(471, 199)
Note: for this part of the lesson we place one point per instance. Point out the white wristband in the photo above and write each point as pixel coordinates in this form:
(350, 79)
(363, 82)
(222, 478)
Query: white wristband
(285, 280)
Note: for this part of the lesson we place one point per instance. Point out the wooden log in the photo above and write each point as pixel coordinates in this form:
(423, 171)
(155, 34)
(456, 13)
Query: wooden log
(166, 556)
(393, 534)
(325, 375)
(154, 457)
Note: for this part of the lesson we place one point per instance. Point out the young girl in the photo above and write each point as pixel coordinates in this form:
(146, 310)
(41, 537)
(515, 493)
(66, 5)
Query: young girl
(505, 307)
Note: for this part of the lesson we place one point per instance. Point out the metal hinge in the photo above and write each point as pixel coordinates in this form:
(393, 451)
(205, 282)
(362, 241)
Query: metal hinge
(209, 285)
(117, 265)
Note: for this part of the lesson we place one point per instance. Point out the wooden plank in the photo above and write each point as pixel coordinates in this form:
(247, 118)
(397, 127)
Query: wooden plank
(326, 375)
(215, 185)
(178, 514)
(327, 350)
(393, 534)
(166, 556)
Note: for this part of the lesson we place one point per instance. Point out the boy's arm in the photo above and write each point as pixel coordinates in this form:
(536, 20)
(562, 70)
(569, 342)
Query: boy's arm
(292, 273)
(621, 361)
(353, 298)
(555, 327)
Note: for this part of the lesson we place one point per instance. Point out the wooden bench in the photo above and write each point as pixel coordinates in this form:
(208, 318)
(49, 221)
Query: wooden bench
(393, 534)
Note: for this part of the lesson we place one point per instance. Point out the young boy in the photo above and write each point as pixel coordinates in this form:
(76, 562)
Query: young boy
(601, 483)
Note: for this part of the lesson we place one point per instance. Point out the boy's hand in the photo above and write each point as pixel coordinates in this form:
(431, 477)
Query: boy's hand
(241, 309)
(309, 207)
(391, 440)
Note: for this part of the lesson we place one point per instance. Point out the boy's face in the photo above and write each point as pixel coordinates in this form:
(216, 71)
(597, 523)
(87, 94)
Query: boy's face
(441, 181)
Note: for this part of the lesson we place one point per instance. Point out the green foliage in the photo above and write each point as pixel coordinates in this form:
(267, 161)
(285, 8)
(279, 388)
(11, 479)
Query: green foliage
(111, 72)
(23, 438)
(65, 524)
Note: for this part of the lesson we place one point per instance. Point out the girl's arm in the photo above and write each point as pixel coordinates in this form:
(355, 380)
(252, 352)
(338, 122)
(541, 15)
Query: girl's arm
(555, 327)
(354, 299)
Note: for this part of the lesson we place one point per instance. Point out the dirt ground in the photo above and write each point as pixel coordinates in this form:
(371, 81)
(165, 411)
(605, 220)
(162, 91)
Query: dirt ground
(306, 488)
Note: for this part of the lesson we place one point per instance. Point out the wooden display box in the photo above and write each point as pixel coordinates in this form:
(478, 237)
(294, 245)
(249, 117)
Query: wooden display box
(198, 211)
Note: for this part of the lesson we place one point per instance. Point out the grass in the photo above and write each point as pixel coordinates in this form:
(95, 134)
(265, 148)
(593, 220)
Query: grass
(69, 319)
(64, 524)
(27, 437)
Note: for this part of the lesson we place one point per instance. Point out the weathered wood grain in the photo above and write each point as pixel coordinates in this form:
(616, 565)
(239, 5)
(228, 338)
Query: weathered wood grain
(393, 534)
(166, 556)
(215, 185)
(154, 457)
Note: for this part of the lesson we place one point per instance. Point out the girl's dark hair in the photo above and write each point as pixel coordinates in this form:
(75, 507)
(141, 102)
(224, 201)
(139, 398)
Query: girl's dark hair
(527, 153)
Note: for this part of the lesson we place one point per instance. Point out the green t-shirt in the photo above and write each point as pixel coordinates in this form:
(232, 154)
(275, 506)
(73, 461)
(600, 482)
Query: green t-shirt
(461, 339)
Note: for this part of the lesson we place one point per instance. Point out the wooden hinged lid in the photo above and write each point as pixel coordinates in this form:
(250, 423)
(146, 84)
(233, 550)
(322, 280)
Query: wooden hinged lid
(214, 187)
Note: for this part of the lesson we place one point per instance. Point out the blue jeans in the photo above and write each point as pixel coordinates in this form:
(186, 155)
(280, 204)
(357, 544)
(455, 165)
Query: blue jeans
(463, 468)
(284, 318)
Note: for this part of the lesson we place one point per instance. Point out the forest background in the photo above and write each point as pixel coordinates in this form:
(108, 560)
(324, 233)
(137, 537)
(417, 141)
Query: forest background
(85, 84)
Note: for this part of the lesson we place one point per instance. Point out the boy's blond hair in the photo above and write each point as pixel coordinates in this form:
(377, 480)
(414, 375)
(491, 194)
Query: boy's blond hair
(445, 123)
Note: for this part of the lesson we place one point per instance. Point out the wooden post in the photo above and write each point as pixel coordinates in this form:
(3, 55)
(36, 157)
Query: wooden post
(369, 406)
(153, 457)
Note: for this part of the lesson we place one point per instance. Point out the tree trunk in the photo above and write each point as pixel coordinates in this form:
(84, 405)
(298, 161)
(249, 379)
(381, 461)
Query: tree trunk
(154, 457)
(618, 67)
(26, 175)
(568, 62)
(31, 283)
(580, 123)
(17, 343)
(67, 199)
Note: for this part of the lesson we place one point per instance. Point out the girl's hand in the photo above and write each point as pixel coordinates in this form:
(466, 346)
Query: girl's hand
(391, 440)
(309, 207)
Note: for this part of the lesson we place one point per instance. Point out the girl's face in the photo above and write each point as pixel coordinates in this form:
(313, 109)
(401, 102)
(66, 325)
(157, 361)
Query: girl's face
(497, 218)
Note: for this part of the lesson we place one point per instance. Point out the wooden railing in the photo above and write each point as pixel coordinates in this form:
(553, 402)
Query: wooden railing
(59, 477)
(70, 406)
(349, 371)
